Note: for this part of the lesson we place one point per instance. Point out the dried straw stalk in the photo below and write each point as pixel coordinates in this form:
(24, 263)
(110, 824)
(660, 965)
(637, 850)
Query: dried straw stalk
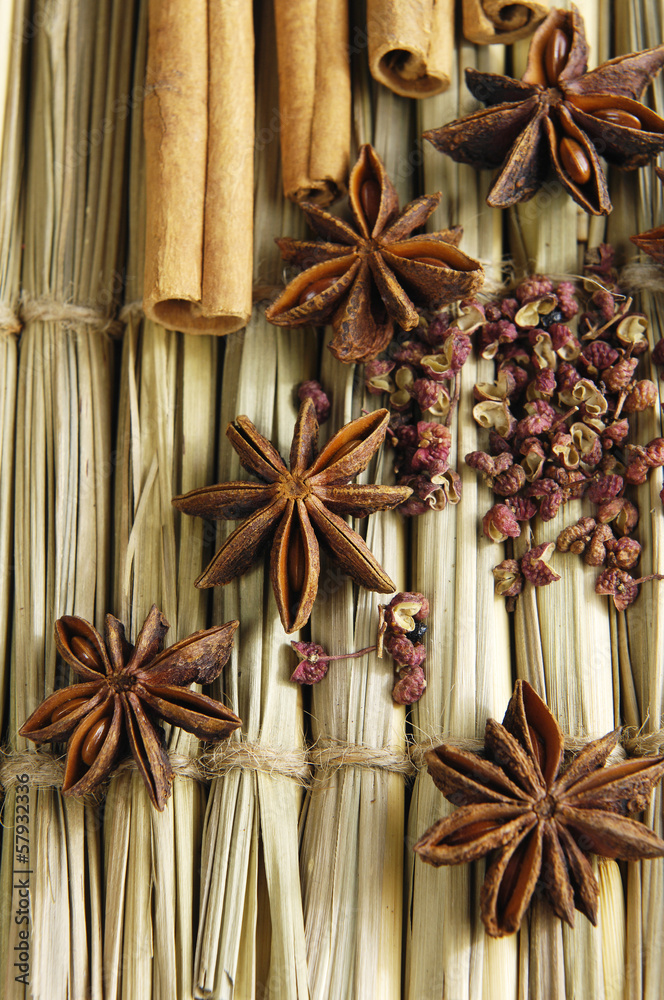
(468, 661)
(12, 99)
(639, 206)
(251, 931)
(73, 225)
(563, 632)
(352, 864)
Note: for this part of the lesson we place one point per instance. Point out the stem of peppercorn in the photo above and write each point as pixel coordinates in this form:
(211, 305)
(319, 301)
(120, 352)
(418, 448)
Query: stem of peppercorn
(454, 402)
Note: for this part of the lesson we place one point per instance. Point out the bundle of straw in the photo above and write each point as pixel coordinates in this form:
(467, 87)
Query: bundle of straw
(469, 675)
(251, 933)
(355, 810)
(165, 439)
(79, 78)
(640, 639)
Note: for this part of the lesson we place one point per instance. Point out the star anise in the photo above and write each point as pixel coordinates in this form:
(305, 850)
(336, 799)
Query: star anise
(652, 240)
(558, 114)
(125, 690)
(296, 507)
(375, 273)
(538, 822)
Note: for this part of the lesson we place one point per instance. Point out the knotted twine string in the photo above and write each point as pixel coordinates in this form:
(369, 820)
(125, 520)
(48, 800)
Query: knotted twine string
(68, 314)
(327, 756)
(9, 321)
(646, 276)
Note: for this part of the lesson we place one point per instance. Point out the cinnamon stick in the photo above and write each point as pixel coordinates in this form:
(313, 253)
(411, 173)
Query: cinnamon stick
(199, 133)
(410, 45)
(314, 98)
(487, 21)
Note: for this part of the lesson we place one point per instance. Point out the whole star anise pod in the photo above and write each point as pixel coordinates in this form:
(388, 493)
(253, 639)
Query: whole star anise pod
(125, 690)
(375, 273)
(298, 507)
(559, 115)
(537, 822)
(652, 240)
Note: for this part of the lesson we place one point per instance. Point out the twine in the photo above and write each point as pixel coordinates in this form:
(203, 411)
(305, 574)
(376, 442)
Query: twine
(44, 309)
(644, 744)
(642, 277)
(50, 310)
(131, 311)
(9, 321)
(183, 767)
(330, 755)
(225, 757)
(45, 769)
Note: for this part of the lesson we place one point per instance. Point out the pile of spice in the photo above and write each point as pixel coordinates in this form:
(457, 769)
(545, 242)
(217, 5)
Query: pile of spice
(420, 374)
(557, 417)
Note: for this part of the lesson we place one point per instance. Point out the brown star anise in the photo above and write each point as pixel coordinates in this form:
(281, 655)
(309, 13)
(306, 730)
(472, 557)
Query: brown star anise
(373, 274)
(652, 240)
(125, 690)
(296, 506)
(538, 823)
(559, 114)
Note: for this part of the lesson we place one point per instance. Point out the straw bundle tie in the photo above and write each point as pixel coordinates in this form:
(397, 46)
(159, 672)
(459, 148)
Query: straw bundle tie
(42, 769)
(131, 311)
(645, 276)
(9, 321)
(218, 760)
(329, 755)
(49, 310)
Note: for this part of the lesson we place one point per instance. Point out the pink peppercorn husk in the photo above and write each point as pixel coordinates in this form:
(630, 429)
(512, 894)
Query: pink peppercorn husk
(499, 523)
(410, 687)
(407, 597)
(619, 585)
(314, 391)
(534, 287)
(310, 672)
(567, 303)
(535, 568)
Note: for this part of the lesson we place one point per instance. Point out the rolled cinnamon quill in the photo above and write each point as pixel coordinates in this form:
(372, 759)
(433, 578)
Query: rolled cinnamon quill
(410, 45)
(199, 136)
(487, 21)
(314, 98)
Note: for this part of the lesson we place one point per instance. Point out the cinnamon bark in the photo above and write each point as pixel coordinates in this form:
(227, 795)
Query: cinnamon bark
(487, 21)
(199, 135)
(314, 98)
(410, 45)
